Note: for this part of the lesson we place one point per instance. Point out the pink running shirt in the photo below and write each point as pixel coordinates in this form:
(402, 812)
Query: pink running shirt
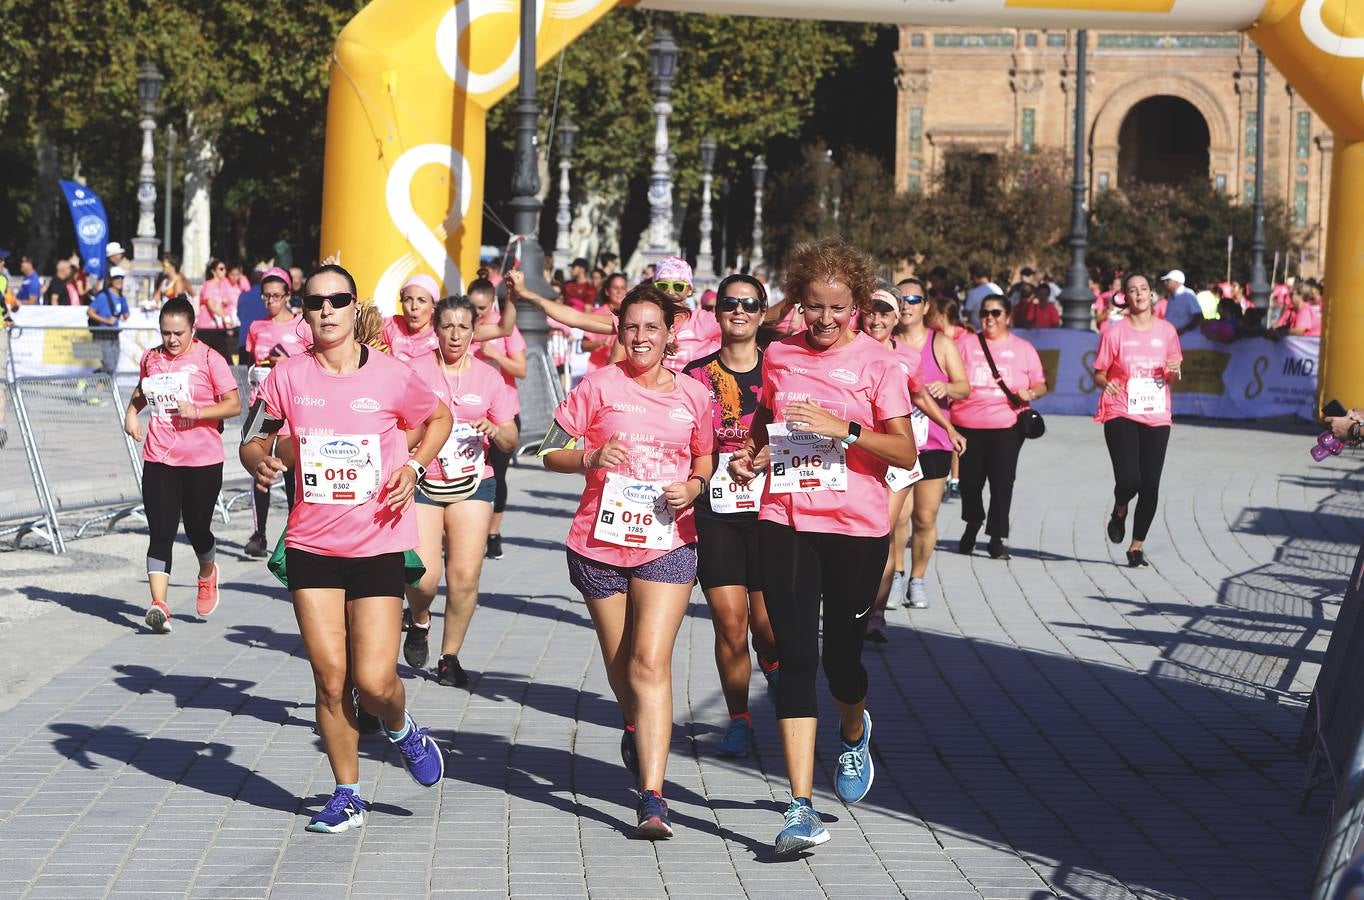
(385, 398)
(910, 360)
(860, 382)
(266, 335)
(512, 343)
(407, 345)
(226, 293)
(187, 442)
(665, 431)
(696, 336)
(1126, 352)
(476, 394)
(988, 407)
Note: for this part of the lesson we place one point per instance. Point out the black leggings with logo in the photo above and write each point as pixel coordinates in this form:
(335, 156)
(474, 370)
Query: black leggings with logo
(170, 493)
(801, 570)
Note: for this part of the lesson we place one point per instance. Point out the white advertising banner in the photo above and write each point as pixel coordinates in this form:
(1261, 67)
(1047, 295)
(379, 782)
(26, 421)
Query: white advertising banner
(1254, 378)
(56, 340)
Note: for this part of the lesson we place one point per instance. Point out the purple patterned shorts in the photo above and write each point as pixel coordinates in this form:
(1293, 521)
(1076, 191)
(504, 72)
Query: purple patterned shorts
(595, 580)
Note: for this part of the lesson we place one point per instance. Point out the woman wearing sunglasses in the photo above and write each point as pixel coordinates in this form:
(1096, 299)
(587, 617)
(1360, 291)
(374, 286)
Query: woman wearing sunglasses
(216, 322)
(880, 324)
(988, 421)
(834, 413)
(642, 438)
(727, 517)
(455, 500)
(348, 411)
(696, 332)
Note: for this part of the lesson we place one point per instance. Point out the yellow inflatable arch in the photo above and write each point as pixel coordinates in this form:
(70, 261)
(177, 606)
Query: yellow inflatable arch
(412, 81)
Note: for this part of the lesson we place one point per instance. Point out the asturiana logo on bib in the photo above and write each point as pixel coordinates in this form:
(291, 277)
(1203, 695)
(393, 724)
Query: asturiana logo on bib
(470, 400)
(640, 493)
(844, 376)
(364, 404)
(804, 437)
(678, 414)
(339, 450)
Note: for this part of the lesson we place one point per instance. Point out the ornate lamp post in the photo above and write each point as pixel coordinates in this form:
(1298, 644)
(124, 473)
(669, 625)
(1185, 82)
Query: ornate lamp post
(525, 205)
(1076, 299)
(145, 243)
(1259, 285)
(568, 132)
(663, 53)
(170, 173)
(705, 260)
(759, 176)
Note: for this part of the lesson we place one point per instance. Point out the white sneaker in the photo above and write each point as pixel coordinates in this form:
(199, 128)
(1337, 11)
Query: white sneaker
(918, 594)
(897, 587)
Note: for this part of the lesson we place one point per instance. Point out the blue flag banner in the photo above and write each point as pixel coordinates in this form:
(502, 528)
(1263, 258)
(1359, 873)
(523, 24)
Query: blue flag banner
(92, 225)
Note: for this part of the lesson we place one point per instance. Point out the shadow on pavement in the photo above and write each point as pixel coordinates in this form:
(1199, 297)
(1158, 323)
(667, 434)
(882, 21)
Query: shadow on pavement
(110, 609)
(231, 695)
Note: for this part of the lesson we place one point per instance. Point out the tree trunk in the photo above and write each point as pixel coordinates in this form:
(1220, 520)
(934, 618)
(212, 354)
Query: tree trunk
(46, 200)
(201, 167)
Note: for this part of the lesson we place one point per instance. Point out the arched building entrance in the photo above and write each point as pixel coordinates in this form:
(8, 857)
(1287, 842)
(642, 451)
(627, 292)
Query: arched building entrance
(1163, 140)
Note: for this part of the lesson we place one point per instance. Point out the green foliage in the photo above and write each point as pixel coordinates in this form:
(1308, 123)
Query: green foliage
(1152, 228)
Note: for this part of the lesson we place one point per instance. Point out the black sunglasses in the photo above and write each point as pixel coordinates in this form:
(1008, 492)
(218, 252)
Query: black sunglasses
(992, 313)
(729, 304)
(313, 302)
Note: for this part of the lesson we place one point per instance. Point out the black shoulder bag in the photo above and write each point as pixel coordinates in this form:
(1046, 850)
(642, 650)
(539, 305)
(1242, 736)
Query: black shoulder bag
(1030, 422)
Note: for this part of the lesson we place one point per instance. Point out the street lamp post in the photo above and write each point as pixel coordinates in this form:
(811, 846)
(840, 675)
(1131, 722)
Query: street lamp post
(1259, 286)
(170, 173)
(525, 203)
(663, 53)
(568, 132)
(759, 176)
(1076, 299)
(705, 258)
(145, 243)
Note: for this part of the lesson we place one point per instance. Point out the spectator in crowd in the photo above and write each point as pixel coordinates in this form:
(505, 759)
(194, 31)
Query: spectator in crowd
(30, 288)
(7, 302)
(216, 323)
(172, 283)
(945, 316)
(1182, 307)
(1026, 276)
(774, 291)
(598, 279)
(237, 275)
(981, 287)
(647, 275)
(1223, 328)
(79, 278)
(578, 292)
(1210, 299)
(61, 289)
(108, 311)
(1035, 309)
(609, 262)
(113, 252)
(1252, 323)
(250, 308)
(1300, 317)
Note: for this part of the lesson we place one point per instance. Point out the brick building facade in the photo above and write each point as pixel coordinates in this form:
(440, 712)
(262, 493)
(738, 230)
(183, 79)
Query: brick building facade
(1160, 107)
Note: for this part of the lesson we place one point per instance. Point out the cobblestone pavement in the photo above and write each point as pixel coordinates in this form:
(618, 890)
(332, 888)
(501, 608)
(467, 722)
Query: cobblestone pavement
(1057, 725)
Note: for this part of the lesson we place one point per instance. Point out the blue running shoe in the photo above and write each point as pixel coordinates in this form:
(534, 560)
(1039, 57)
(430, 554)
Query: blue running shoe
(343, 811)
(738, 739)
(855, 768)
(423, 760)
(628, 753)
(653, 817)
(803, 828)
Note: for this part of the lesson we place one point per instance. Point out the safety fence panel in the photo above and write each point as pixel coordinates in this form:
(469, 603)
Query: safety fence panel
(24, 506)
(540, 393)
(75, 425)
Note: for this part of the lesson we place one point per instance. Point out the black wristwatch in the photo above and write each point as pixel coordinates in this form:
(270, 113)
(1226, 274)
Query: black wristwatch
(854, 432)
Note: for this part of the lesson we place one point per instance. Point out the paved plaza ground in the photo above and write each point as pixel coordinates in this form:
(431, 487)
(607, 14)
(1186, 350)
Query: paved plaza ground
(1057, 725)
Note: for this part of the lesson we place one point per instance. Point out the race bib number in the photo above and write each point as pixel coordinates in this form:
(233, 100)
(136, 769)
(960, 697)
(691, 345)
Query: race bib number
(897, 479)
(802, 461)
(918, 422)
(1145, 396)
(462, 454)
(726, 496)
(634, 514)
(164, 393)
(340, 469)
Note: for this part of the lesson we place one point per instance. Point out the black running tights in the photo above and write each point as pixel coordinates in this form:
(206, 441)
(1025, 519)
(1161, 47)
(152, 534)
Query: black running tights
(170, 493)
(260, 501)
(799, 570)
(1138, 454)
(499, 460)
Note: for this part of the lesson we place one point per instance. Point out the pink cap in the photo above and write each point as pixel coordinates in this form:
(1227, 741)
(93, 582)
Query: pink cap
(279, 275)
(673, 268)
(425, 282)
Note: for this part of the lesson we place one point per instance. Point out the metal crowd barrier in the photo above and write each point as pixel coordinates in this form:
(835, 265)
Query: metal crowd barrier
(540, 393)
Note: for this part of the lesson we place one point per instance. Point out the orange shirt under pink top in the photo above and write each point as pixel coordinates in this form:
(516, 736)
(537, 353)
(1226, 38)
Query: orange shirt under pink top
(1128, 352)
(988, 407)
(385, 398)
(696, 336)
(476, 394)
(226, 294)
(406, 345)
(860, 382)
(664, 430)
(188, 442)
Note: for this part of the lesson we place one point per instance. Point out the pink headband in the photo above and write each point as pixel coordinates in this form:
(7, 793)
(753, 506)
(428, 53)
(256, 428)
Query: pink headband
(425, 282)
